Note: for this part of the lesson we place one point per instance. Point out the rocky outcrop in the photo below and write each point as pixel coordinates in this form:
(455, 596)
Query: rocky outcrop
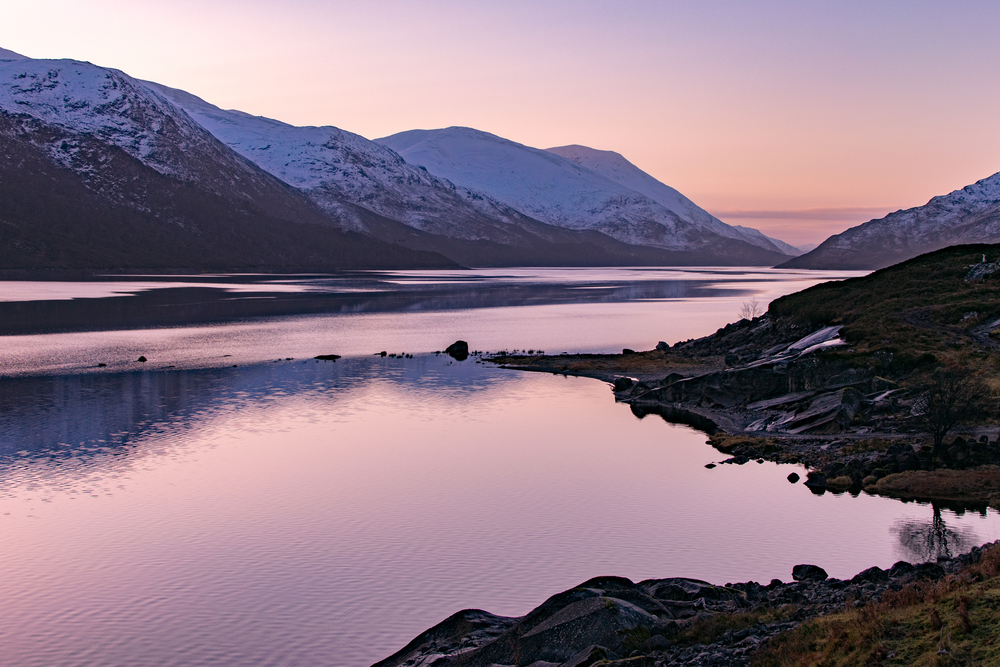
(658, 621)
(788, 388)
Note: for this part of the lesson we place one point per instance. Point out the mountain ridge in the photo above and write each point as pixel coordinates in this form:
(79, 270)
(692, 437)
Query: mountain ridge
(967, 215)
(84, 119)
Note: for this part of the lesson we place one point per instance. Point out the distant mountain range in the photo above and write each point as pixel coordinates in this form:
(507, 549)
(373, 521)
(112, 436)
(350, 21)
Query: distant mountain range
(969, 215)
(99, 170)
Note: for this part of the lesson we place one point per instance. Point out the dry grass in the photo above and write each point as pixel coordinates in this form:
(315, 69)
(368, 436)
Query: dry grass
(976, 485)
(955, 621)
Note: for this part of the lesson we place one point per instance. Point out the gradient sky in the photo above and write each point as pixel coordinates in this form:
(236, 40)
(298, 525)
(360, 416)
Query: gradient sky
(798, 118)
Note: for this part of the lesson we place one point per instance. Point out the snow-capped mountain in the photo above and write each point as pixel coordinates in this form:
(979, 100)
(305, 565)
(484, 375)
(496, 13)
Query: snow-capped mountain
(335, 167)
(969, 215)
(564, 191)
(211, 185)
(96, 169)
(614, 167)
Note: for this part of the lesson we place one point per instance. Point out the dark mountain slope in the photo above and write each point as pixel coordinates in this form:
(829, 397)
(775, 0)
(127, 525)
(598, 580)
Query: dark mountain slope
(70, 200)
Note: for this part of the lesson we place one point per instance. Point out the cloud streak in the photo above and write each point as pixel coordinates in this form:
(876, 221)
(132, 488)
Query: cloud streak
(858, 213)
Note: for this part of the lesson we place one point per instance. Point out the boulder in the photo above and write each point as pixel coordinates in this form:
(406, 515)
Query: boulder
(662, 346)
(686, 590)
(141, 359)
(622, 384)
(605, 621)
(827, 413)
(874, 575)
(589, 656)
(816, 479)
(794, 478)
(459, 350)
(808, 573)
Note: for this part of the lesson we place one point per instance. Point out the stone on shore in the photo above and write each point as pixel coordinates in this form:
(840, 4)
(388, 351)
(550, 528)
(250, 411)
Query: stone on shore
(459, 350)
(808, 573)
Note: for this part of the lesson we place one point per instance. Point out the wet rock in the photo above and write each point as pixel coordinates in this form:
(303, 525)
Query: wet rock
(141, 359)
(327, 357)
(794, 478)
(459, 350)
(816, 479)
(623, 384)
(871, 575)
(680, 589)
(709, 465)
(808, 573)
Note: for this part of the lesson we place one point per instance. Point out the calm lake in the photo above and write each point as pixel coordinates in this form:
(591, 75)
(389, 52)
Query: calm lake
(290, 512)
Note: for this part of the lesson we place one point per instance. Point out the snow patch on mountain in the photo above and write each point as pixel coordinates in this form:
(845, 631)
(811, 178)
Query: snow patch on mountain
(545, 186)
(332, 166)
(105, 104)
(615, 167)
(6, 54)
(968, 215)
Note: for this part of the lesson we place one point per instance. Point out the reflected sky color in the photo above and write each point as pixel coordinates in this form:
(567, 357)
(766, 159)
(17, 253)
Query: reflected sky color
(301, 514)
(556, 310)
(855, 108)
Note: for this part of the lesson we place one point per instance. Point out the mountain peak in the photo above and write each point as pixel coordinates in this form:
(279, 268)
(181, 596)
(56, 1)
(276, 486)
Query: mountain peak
(967, 215)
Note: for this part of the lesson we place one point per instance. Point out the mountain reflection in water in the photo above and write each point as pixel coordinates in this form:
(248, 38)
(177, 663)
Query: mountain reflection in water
(286, 512)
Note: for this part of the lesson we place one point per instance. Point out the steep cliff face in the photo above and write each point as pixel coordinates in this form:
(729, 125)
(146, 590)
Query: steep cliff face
(969, 215)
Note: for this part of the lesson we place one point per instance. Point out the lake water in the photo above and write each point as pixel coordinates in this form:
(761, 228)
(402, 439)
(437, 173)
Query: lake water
(296, 512)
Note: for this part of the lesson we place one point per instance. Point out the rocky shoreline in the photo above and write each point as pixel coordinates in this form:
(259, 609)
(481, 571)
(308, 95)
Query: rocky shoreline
(844, 379)
(611, 621)
(788, 393)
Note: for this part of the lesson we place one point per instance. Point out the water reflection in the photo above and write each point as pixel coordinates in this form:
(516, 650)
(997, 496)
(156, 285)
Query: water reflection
(926, 540)
(57, 429)
(40, 307)
(284, 513)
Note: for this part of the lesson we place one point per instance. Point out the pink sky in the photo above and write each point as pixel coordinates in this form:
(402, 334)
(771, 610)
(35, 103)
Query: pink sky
(800, 119)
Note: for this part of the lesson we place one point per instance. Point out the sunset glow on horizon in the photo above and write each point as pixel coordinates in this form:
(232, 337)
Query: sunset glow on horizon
(799, 120)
